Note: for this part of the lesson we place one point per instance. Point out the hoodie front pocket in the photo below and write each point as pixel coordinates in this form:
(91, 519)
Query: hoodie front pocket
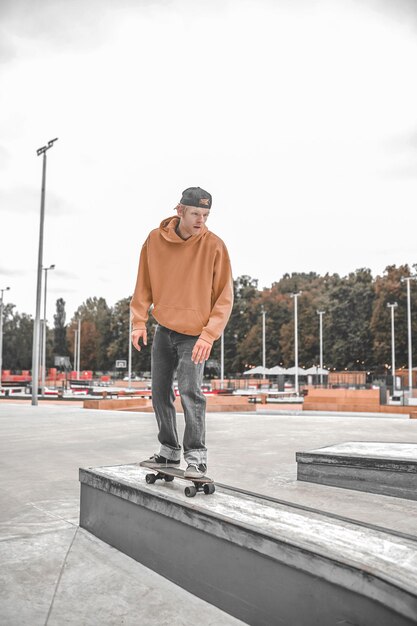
(186, 321)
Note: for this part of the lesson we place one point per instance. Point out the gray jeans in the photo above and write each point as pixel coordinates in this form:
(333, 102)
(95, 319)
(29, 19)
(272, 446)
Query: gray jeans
(171, 352)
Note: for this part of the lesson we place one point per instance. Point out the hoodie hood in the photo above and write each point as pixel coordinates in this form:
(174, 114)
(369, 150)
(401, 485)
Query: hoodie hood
(167, 229)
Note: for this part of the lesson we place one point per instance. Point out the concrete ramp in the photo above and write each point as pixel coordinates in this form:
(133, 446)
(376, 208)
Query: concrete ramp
(260, 560)
(377, 467)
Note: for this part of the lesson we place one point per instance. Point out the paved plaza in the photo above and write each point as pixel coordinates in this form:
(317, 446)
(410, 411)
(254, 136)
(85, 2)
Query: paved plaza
(53, 572)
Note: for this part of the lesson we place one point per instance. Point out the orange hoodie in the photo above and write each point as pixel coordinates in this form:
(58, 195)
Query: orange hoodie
(189, 282)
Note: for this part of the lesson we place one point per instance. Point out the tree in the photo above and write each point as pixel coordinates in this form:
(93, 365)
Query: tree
(349, 304)
(356, 325)
(310, 287)
(95, 338)
(60, 346)
(118, 347)
(17, 339)
(389, 289)
(245, 291)
(276, 307)
(119, 344)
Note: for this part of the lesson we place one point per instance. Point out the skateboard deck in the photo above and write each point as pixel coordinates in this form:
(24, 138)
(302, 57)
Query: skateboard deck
(204, 484)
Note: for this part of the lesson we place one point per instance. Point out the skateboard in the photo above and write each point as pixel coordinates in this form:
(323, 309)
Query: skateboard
(168, 474)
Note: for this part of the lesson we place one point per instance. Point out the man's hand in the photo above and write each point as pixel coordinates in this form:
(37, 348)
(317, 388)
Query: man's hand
(201, 351)
(136, 335)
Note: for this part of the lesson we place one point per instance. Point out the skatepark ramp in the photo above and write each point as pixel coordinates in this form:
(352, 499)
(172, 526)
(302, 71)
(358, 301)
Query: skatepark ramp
(262, 560)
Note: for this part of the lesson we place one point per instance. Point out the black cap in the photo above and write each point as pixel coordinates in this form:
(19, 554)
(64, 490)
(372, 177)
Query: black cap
(195, 196)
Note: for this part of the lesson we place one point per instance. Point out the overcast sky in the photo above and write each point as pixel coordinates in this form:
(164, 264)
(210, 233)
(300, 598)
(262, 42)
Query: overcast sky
(298, 116)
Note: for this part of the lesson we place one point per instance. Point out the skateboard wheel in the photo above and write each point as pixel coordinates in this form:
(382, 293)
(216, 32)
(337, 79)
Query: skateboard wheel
(209, 488)
(168, 479)
(190, 492)
(150, 478)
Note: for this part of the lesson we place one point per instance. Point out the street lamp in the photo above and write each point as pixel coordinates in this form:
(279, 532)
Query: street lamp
(392, 307)
(1, 330)
(263, 342)
(410, 348)
(79, 348)
(75, 350)
(321, 313)
(36, 326)
(295, 296)
(130, 351)
(222, 361)
(43, 367)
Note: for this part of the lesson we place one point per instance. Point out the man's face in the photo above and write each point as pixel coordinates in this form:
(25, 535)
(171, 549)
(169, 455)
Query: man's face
(192, 219)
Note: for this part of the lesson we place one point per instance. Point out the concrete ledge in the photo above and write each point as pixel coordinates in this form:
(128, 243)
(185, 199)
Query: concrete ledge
(218, 404)
(378, 415)
(123, 404)
(352, 400)
(259, 560)
(386, 468)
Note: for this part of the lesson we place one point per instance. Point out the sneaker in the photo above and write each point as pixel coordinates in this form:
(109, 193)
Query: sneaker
(195, 471)
(157, 460)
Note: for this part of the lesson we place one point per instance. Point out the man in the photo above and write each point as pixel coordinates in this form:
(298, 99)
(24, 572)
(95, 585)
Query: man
(184, 272)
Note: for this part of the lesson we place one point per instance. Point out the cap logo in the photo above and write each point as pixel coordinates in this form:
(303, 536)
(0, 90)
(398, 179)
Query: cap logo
(204, 201)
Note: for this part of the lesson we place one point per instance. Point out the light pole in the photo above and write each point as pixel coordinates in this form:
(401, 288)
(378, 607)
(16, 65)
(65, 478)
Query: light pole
(79, 347)
(43, 368)
(222, 361)
(75, 350)
(263, 342)
(295, 296)
(392, 307)
(1, 331)
(36, 326)
(321, 313)
(130, 350)
(410, 347)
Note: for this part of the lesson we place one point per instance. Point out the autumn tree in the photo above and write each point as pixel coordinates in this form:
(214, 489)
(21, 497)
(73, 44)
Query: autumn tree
(356, 324)
(95, 337)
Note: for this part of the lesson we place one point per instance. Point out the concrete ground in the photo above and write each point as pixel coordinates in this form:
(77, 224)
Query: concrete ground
(53, 572)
